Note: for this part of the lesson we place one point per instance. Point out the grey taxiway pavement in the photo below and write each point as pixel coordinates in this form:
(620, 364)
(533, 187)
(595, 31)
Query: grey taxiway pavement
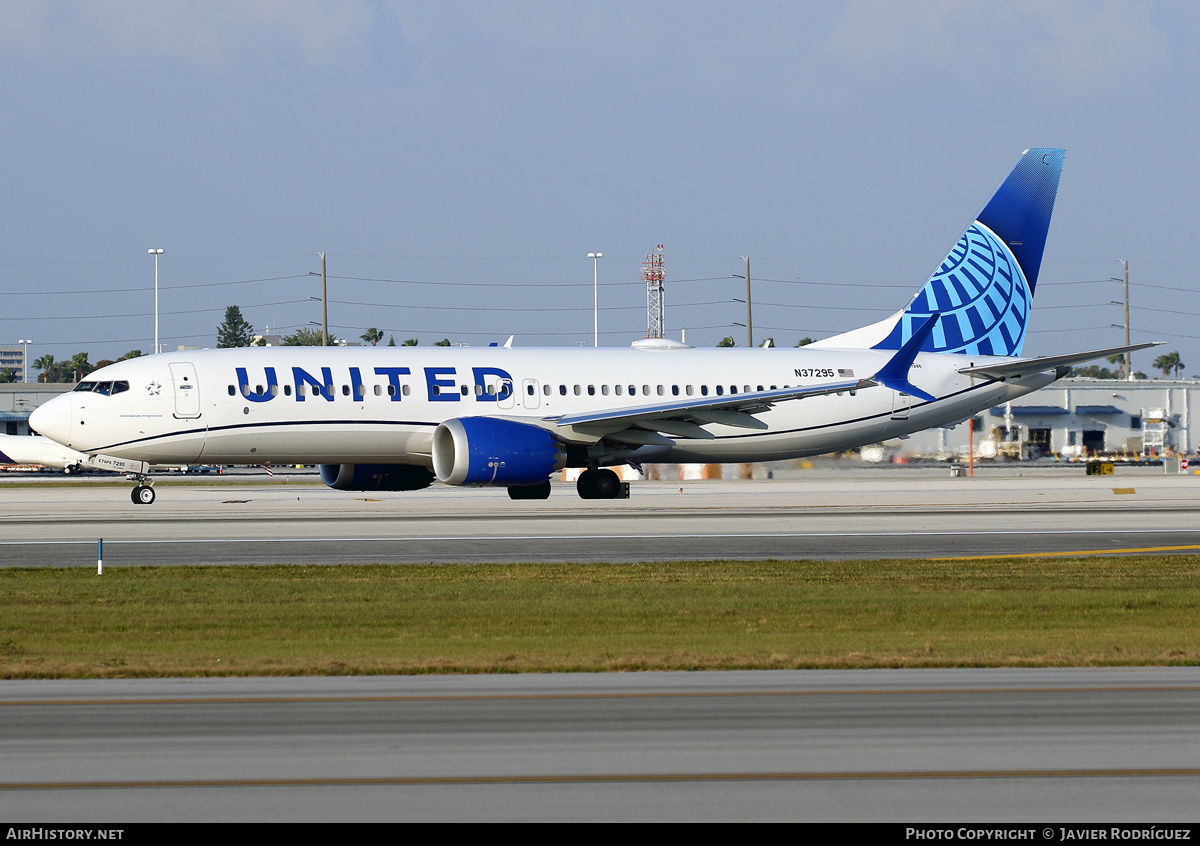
(922, 746)
(1025, 746)
(851, 514)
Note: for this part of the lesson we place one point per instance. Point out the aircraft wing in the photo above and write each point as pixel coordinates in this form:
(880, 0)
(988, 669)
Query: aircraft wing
(1050, 362)
(683, 418)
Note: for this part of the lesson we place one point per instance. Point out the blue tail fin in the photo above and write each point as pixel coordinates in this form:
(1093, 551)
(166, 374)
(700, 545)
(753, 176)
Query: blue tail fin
(983, 290)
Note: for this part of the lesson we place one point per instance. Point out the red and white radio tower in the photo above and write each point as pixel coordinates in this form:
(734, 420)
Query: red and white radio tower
(656, 304)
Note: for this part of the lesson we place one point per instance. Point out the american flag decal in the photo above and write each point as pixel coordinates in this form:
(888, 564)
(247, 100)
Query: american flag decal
(845, 374)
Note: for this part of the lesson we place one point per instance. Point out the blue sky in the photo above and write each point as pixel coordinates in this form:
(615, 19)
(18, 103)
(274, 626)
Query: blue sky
(456, 161)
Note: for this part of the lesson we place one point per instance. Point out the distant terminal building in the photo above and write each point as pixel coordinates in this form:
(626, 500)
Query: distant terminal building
(13, 358)
(1074, 418)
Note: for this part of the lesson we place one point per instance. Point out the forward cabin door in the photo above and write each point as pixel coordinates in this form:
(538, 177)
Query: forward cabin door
(187, 391)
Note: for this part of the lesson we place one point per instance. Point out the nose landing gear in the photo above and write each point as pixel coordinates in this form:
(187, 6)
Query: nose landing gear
(143, 494)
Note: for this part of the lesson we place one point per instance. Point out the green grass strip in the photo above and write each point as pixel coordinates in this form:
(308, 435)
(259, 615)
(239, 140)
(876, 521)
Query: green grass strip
(294, 620)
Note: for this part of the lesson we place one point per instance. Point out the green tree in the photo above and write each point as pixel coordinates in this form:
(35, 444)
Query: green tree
(391, 340)
(44, 364)
(444, 342)
(1093, 371)
(411, 342)
(804, 342)
(234, 331)
(372, 336)
(307, 337)
(727, 341)
(130, 354)
(1168, 362)
(8, 375)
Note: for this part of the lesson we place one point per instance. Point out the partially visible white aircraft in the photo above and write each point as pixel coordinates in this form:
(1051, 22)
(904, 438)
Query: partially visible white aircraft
(43, 452)
(396, 418)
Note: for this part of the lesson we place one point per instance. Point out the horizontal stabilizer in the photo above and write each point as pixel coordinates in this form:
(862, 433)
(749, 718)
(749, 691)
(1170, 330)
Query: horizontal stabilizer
(1009, 369)
(894, 374)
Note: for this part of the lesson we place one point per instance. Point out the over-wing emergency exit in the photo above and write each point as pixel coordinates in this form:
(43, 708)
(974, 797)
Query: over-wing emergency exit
(397, 418)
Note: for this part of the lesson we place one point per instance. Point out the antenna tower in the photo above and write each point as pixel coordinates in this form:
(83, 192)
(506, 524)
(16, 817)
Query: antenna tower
(656, 304)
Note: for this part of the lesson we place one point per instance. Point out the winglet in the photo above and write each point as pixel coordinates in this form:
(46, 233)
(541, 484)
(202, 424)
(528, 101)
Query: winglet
(894, 374)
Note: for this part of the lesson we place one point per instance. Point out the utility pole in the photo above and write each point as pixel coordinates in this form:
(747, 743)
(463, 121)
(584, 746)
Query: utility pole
(1128, 356)
(324, 305)
(749, 321)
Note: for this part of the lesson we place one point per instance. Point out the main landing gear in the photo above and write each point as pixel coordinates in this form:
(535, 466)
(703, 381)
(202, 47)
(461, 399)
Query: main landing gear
(143, 494)
(601, 484)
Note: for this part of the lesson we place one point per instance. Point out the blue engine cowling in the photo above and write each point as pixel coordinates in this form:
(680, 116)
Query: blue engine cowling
(376, 477)
(494, 451)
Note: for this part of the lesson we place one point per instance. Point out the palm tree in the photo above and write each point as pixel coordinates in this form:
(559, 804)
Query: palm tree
(372, 336)
(44, 364)
(1168, 362)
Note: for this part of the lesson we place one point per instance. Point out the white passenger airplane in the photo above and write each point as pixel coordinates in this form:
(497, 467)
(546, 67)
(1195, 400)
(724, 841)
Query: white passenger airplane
(396, 418)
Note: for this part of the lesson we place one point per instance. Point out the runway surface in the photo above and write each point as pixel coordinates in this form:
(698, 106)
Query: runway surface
(829, 515)
(1030, 746)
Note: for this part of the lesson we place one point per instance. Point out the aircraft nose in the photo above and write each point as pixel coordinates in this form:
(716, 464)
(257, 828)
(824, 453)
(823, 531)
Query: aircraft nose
(53, 419)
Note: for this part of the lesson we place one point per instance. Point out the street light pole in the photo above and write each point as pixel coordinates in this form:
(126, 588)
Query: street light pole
(156, 253)
(595, 257)
(25, 364)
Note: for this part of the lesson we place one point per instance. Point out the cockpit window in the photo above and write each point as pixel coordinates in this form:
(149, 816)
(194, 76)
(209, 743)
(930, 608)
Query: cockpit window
(105, 388)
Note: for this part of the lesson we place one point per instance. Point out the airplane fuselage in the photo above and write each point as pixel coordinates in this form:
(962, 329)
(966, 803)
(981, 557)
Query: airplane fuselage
(381, 405)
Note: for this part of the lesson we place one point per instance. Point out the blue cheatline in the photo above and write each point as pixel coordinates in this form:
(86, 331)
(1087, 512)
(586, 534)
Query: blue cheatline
(983, 289)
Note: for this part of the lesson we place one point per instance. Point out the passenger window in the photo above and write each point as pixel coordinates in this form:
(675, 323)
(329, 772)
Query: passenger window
(704, 390)
(720, 390)
(578, 391)
(633, 390)
(465, 391)
(232, 391)
(245, 390)
(529, 390)
(391, 390)
(604, 390)
(689, 390)
(674, 390)
(591, 390)
(287, 390)
(379, 390)
(546, 390)
(645, 390)
(619, 389)
(562, 390)
(407, 391)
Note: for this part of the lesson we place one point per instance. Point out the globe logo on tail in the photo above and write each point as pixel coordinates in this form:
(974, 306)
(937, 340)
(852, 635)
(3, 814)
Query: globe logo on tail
(981, 294)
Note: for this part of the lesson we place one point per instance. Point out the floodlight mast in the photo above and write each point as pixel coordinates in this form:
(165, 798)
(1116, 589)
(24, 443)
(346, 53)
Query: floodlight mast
(595, 257)
(156, 253)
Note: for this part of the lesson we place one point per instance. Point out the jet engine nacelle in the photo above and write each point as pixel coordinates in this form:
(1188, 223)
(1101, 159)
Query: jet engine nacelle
(493, 451)
(376, 477)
